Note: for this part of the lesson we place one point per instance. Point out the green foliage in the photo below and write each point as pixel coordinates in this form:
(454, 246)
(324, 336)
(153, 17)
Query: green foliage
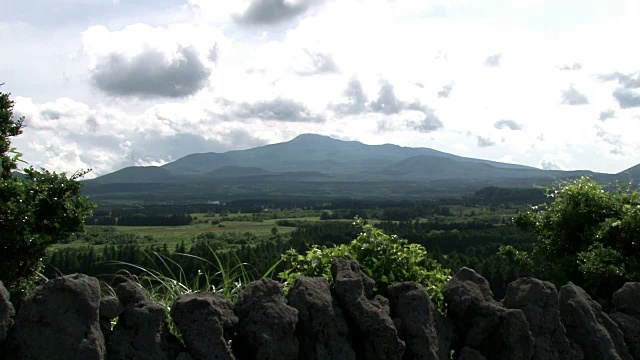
(587, 235)
(38, 210)
(387, 259)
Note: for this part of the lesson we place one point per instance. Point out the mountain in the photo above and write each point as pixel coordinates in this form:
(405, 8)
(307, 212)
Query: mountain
(319, 166)
(237, 171)
(137, 174)
(310, 152)
(633, 172)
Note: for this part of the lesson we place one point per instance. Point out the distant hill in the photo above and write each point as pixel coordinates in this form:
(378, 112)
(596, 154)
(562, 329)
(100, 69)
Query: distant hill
(237, 171)
(312, 153)
(314, 165)
(633, 171)
(137, 174)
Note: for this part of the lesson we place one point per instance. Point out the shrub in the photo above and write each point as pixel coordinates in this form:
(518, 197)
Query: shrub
(386, 259)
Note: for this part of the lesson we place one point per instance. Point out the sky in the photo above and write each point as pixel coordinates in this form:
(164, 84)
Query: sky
(106, 84)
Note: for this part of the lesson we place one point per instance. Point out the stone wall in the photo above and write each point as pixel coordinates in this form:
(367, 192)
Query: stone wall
(66, 318)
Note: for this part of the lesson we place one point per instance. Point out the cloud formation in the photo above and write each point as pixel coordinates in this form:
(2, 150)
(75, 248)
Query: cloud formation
(278, 109)
(319, 64)
(270, 12)
(501, 124)
(615, 142)
(626, 98)
(430, 123)
(607, 114)
(493, 60)
(146, 62)
(571, 96)
(387, 102)
(445, 91)
(574, 66)
(150, 74)
(547, 164)
(356, 99)
(485, 142)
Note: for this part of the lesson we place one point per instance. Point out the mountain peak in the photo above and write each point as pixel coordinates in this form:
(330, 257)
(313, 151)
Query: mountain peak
(305, 138)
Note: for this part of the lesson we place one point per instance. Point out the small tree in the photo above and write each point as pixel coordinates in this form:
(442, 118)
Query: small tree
(588, 235)
(36, 210)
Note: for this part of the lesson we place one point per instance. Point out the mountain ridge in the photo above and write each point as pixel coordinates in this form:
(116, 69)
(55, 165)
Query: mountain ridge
(317, 165)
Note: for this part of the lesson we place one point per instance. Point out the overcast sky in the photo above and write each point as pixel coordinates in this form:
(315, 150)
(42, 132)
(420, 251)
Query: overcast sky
(105, 84)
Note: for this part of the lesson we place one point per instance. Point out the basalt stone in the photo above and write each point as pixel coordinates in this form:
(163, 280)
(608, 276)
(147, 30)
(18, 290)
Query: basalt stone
(7, 313)
(590, 327)
(467, 353)
(322, 329)
(206, 321)
(415, 317)
(266, 323)
(538, 300)
(142, 332)
(59, 320)
(482, 323)
(627, 299)
(378, 334)
(630, 327)
(110, 308)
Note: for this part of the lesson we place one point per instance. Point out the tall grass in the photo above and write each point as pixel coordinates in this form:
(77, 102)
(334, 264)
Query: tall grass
(166, 280)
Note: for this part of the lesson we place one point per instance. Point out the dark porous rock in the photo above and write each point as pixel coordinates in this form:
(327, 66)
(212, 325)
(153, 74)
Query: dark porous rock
(538, 300)
(322, 329)
(415, 317)
(379, 336)
(627, 305)
(266, 323)
(7, 313)
(184, 356)
(482, 323)
(110, 308)
(128, 292)
(589, 326)
(627, 299)
(630, 327)
(59, 320)
(206, 321)
(467, 353)
(142, 331)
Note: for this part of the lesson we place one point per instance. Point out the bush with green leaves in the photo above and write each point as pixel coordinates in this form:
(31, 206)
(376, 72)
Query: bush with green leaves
(36, 210)
(587, 235)
(386, 259)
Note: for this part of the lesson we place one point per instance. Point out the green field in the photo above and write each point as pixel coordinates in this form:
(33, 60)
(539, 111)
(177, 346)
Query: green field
(173, 236)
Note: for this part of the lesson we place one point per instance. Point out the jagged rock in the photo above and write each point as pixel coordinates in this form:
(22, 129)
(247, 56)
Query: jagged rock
(142, 331)
(538, 300)
(59, 320)
(468, 353)
(110, 308)
(7, 313)
(589, 326)
(379, 335)
(630, 327)
(322, 329)
(184, 356)
(446, 336)
(627, 299)
(627, 304)
(206, 321)
(415, 317)
(482, 323)
(266, 323)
